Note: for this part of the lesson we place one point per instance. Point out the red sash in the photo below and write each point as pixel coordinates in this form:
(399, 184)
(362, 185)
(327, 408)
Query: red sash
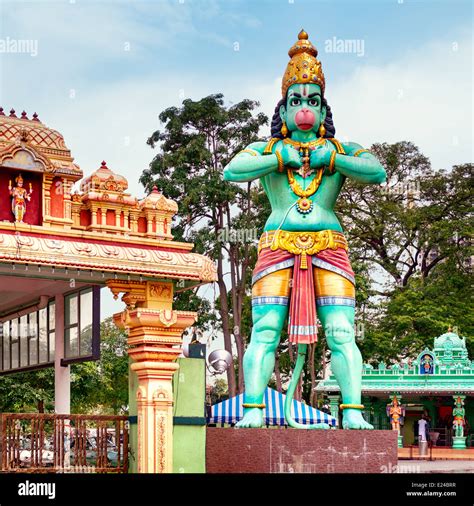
(302, 321)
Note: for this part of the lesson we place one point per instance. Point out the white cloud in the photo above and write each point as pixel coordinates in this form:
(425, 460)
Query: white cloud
(424, 97)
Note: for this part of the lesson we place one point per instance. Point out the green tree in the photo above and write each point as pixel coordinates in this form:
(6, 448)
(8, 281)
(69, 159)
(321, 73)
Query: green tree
(410, 248)
(100, 386)
(420, 311)
(31, 391)
(196, 142)
(218, 392)
(414, 222)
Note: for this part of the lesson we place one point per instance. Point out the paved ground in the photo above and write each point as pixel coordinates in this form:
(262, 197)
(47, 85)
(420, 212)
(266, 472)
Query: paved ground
(439, 453)
(435, 466)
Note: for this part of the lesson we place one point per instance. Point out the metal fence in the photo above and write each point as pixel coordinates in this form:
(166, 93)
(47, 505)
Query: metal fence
(50, 443)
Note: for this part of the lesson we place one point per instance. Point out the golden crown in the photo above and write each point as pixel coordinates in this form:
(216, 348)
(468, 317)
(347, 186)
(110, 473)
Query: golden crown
(303, 67)
(19, 179)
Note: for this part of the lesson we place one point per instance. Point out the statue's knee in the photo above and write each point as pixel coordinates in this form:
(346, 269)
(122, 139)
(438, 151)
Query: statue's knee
(340, 333)
(266, 331)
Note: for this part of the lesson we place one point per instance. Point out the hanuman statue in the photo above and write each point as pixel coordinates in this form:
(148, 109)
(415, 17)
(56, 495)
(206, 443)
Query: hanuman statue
(19, 197)
(396, 414)
(303, 271)
(458, 417)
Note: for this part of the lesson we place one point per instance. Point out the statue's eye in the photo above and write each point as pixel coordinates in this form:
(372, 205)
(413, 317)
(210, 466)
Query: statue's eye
(295, 101)
(313, 102)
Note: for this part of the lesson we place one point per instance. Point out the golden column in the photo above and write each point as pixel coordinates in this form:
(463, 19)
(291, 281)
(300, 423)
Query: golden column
(154, 339)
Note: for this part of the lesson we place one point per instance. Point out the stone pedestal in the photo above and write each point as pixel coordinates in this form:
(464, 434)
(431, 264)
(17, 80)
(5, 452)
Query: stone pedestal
(300, 451)
(459, 442)
(400, 441)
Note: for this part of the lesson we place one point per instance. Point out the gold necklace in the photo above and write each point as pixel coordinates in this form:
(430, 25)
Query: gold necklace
(310, 144)
(304, 148)
(304, 204)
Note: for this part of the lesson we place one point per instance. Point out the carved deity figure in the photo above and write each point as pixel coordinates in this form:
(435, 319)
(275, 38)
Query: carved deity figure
(427, 363)
(303, 271)
(19, 197)
(395, 412)
(458, 415)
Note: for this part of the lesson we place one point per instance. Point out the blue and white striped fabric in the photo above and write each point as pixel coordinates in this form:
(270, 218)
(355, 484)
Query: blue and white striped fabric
(231, 411)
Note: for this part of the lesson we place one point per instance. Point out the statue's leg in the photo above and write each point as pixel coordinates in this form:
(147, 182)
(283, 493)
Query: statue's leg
(268, 319)
(346, 360)
(335, 305)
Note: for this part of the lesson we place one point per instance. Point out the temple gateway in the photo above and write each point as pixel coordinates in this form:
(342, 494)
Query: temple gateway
(438, 384)
(58, 248)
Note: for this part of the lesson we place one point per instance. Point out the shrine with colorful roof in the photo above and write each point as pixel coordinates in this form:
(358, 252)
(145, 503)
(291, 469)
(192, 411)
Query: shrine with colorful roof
(64, 238)
(438, 383)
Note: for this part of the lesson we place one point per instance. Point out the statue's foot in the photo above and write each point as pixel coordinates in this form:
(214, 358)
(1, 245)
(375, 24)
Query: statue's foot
(353, 419)
(253, 418)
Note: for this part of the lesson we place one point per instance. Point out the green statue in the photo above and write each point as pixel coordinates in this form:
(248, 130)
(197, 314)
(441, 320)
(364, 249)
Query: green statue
(458, 415)
(303, 272)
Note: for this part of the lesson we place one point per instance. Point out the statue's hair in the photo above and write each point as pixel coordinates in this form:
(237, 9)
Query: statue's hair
(277, 123)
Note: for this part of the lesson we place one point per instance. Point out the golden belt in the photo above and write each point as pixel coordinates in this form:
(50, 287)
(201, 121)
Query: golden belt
(302, 243)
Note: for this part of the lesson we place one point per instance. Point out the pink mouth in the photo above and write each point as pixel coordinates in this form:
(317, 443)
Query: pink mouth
(305, 126)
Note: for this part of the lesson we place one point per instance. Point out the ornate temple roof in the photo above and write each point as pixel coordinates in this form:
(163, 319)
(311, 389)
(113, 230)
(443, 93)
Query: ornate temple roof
(101, 230)
(156, 200)
(104, 179)
(31, 132)
(445, 369)
(105, 184)
(449, 340)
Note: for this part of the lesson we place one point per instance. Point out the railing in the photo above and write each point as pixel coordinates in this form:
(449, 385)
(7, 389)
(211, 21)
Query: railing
(418, 455)
(50, 443)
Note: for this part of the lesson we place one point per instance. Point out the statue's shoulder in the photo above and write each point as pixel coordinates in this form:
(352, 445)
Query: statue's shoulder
(270, 145)
(352, 147)
(256, 148)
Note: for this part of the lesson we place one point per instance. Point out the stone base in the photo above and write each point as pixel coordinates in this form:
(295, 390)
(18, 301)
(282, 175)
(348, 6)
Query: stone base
(281, 450)
(459, 442)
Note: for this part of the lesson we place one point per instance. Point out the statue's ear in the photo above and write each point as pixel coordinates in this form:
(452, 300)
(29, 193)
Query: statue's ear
(282, 112)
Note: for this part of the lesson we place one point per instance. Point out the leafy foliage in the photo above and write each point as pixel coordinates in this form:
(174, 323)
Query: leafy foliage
(100, 387)
(27, 392)
(411, 251)
(196, 142)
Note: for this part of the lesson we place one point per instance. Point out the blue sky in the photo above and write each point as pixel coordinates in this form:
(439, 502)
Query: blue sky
(200, 33)
(105, 70)
(111, 67)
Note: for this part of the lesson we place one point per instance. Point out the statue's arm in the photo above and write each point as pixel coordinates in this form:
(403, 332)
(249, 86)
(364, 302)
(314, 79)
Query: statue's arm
(364, 167)
(250, 164)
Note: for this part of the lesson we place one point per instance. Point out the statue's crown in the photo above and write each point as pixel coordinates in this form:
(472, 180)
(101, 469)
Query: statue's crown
(303, 67)
(19, 179)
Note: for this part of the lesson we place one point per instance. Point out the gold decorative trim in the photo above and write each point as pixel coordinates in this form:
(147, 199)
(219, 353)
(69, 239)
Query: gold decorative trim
(281, 165)
(360, 151)
(82, 233)
(332, 162)
(304, 243)
(340, 150)
(105, 257)
(249, 151)
(351, 406)
(269, 147)
(305, 145)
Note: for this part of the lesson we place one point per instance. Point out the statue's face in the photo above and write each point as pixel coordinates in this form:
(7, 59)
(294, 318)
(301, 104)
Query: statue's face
(303, 110)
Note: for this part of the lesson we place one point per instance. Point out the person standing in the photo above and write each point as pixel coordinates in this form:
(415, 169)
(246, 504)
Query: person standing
(422, 428)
